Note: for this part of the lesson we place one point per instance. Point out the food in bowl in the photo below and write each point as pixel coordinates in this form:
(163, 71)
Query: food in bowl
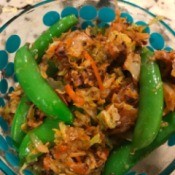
(82, 94)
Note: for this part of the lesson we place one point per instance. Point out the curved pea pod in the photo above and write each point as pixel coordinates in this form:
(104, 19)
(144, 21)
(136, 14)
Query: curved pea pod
(150, 103)
(42, 43)
(37, 89)
(38, 49)
(121, 160)
(44, 134)
(19, 119)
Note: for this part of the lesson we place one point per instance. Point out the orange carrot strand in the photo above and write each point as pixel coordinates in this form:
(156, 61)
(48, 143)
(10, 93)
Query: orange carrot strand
(95, 69)
(77, 99)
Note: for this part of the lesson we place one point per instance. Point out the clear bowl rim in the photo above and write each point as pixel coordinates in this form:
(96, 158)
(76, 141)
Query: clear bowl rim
(30, 7)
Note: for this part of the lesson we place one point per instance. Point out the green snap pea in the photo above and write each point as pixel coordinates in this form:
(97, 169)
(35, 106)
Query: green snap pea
(43, 133)
(42, 43)
(121, 160)
(20, 118)
(37, 89)
(150, 103)
(38, 49)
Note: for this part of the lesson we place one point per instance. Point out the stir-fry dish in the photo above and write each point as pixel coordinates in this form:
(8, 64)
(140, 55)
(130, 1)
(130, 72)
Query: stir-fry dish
(90, 102)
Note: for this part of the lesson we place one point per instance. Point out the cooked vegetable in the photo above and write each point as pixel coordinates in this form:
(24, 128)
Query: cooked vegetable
(150, 103)
(42, 43)
(38, 49)
(121, 160)
(19, 119)
(90, 79)
(95, 69)
(169, 97)
(132, 64)
(37, 89)
(43, 134)
(78, 100)
(78, 150)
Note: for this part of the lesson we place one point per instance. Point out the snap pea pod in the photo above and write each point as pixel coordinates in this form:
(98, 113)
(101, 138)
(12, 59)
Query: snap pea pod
(37, 89)
(42, 43)
(20, 118)
(38, 49)
(44, 133)
(150, 103)
(121, 160)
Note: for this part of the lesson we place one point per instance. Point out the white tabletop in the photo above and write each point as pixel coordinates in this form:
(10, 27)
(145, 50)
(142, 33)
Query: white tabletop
(166, 8)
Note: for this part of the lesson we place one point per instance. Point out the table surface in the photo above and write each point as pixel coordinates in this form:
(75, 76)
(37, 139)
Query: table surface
(166, 8)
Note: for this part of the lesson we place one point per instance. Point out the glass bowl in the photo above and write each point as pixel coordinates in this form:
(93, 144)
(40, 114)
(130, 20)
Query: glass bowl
(30, 23)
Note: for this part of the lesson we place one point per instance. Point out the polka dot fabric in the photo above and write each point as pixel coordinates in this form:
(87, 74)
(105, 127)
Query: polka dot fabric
(3, 86)
(157, 41)
(145, 25)
(7, 147)
(168, 49)
(85, 24)
(106, 14)
(3, 59)
(69, 11)
(88, 15)
(88, 12)
(3, 144)
(127, 16)
(51, 18)
(13, 43)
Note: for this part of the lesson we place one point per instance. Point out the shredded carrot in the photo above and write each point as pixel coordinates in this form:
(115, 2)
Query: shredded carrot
(68, 42)
(72, 94)
(78, 168)
(95, 69)
(63, 148)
